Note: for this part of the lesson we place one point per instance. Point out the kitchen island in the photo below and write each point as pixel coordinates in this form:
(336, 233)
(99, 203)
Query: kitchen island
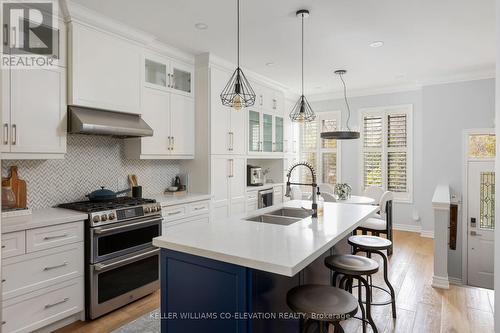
(232, 275)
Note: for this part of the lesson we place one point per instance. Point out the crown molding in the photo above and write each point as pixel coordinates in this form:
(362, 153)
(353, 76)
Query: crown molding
(74, 12)
(209, 59)
(365, 92)
(456, 78)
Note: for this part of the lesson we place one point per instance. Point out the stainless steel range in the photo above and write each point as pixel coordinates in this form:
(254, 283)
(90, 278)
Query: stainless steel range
(121, 263)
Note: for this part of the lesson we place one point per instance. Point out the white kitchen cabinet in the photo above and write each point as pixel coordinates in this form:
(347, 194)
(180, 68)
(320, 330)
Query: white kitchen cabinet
(172, 118)
(277, 195)
(227, 124)
(228, 183)
(182, 125)
(34, 113)
(198, 211)
(167, 74)
(105, 70)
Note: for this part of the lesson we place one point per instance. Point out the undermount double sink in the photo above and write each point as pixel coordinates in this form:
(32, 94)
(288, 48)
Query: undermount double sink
(283, 216)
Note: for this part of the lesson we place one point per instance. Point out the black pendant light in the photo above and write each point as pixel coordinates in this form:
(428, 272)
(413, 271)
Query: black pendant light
(238, 93)
(302, 111)
(342, 135)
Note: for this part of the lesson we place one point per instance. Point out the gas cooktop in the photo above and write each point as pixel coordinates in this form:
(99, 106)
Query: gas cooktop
(93, 206)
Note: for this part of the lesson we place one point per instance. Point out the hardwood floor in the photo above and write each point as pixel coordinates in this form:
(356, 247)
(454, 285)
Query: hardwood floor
(420, 308)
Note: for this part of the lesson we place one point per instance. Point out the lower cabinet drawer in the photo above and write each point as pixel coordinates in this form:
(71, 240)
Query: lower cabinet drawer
(13, 244)
(35, 310)
(56, 235)
(195, 208)
(35, 271)
(195, 219)
(174, 212)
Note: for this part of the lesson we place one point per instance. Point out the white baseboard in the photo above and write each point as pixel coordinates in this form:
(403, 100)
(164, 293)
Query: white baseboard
(427, 233)
(456, 281)
(407, 227)
(440, 282)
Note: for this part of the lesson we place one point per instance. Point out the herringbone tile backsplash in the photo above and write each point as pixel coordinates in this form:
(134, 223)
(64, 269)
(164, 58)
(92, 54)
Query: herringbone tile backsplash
(91, 162)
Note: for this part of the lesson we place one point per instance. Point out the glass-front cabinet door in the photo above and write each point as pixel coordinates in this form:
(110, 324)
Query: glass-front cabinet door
(155, 73)
(278, 134)
(253, 131)
(181, 78)
(267, 133)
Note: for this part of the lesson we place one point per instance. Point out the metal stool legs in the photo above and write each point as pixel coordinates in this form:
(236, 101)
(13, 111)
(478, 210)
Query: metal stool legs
(387, 282)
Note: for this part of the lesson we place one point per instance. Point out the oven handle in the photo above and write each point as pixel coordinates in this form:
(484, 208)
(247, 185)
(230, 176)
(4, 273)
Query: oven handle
(102, 267)
(102, 231)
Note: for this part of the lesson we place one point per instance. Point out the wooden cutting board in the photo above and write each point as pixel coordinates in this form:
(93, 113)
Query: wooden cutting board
(18, 187)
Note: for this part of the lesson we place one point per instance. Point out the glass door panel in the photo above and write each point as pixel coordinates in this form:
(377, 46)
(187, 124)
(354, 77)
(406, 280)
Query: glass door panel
(155, 73)
(253, 131)
(181, 80)
(278, 134)
(267, 133)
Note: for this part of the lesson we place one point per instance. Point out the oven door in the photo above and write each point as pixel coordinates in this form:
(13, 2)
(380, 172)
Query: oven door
(118, 239)
(119, 281)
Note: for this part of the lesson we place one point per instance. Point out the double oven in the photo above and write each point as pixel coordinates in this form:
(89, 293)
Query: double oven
(123, 264)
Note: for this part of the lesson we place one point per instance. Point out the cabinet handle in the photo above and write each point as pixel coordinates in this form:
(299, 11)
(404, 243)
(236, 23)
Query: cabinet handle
(261, 100)
(169, 143)
(231, 141)
(5, 134)
(168, 84)
(48, 268)
(199, 208)
(231, 168)
(175, 213)
(14, 134)
(14, 31)
(5, 34)
(274, 103)
(55, 237)
(172, 85)
(48, 306)
(173, 143)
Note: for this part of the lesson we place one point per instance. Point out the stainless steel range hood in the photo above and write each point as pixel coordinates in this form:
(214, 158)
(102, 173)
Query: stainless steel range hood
(83, 120)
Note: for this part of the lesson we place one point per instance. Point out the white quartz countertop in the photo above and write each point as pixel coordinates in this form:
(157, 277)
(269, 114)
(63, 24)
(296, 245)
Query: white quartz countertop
(41, 218)
(170, 200)
(262, 187)
(284, 250)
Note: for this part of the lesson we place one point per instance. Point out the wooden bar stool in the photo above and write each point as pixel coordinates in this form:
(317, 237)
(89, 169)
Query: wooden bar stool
(322, 305)
(370, 245)
(355, 267)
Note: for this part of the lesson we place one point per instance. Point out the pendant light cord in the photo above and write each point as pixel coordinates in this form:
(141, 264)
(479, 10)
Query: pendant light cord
(238, 32)
(302, 15)
(346, 102)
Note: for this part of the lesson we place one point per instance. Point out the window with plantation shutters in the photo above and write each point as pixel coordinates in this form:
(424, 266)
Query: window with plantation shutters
(386, 151)
(322, 154)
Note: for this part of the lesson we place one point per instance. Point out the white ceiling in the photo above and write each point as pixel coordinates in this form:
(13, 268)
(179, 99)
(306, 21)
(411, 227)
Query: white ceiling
(425, 40)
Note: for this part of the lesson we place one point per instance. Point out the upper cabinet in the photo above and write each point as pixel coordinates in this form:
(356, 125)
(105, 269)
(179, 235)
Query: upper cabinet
(33, 109)
(105, 70)
(163, 73)
(268, 99)
(227, 126)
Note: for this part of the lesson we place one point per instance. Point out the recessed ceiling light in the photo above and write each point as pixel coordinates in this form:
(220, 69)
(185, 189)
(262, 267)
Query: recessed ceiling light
(269, 64)
(377, 43)
(201, 26)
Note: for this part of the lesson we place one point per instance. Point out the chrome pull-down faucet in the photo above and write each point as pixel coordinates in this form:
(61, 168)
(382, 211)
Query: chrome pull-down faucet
(315, 188)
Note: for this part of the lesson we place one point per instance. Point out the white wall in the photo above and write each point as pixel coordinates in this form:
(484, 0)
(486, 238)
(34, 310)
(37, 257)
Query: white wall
(441, 113)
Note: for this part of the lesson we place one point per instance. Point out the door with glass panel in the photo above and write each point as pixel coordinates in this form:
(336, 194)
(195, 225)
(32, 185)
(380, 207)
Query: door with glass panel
(480, 210)
(267, 133)
(278, 134)
(254, 143)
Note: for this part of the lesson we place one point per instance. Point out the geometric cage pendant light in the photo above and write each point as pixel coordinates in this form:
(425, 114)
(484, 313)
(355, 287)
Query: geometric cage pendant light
(342, 135)
(238, 93)
(302, 111)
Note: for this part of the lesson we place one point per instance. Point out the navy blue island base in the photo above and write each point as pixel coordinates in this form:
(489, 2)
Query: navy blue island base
(210, 296)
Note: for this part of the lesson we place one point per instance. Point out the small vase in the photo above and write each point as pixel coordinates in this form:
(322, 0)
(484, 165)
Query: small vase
(342, 191)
